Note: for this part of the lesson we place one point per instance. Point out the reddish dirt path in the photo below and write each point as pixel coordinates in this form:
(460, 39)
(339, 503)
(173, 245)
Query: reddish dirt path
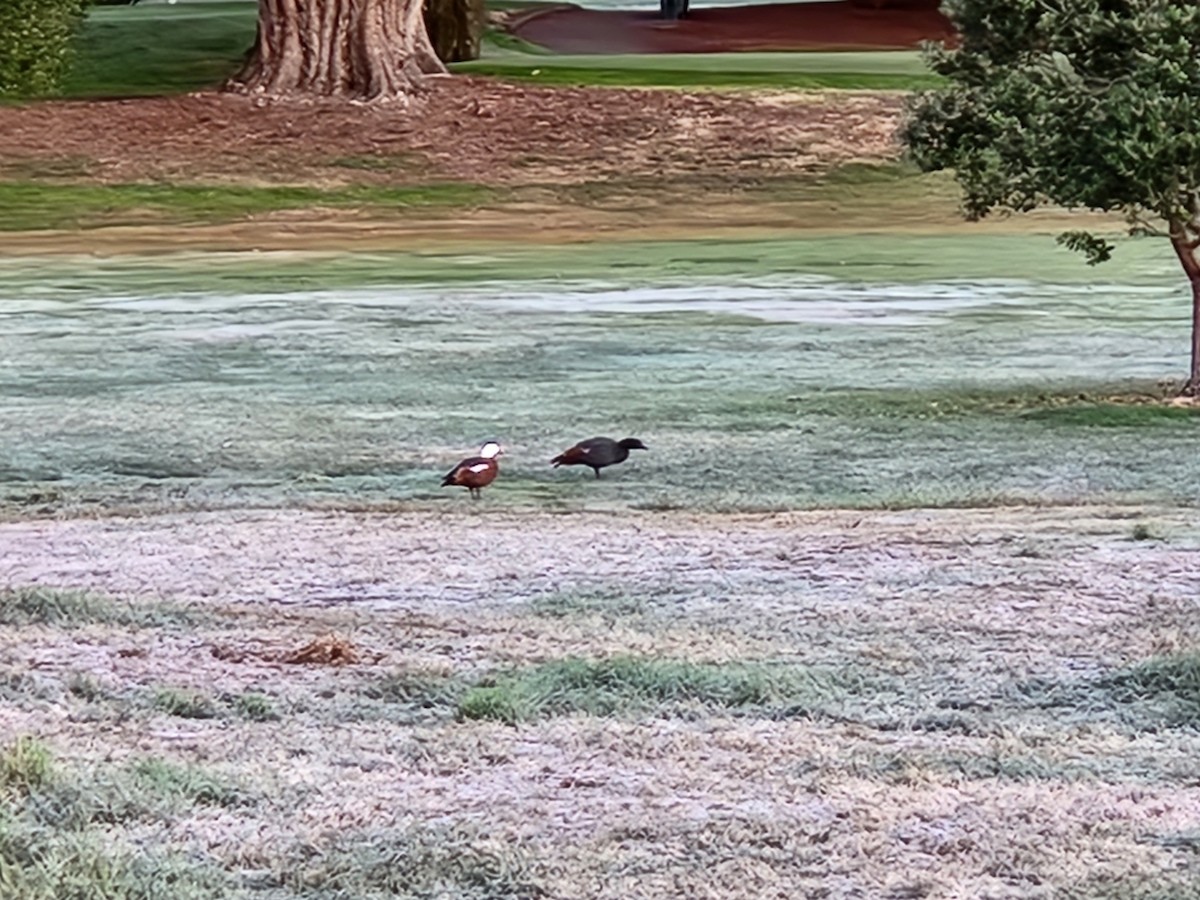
(786, 26)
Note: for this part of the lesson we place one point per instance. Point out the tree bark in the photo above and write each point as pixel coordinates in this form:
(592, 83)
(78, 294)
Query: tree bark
(455, 28)
(354, 49)
(1187, 249)
(1193, 385)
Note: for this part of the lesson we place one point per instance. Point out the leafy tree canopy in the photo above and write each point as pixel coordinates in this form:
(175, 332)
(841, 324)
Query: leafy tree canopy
(1079, 103)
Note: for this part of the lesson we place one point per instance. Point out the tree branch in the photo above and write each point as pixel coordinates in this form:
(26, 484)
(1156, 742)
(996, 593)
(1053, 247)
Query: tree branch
(1185, 249)
(1141, 225)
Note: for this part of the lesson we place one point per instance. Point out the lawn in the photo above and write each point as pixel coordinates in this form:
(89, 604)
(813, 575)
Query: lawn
(160, 48)
(933, 704)
(803, 372)
(900, 602)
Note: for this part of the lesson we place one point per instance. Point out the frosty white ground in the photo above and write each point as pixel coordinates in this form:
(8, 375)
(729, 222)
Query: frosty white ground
(937, 773)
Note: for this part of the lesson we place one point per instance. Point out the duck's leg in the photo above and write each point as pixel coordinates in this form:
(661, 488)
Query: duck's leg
(596, 469)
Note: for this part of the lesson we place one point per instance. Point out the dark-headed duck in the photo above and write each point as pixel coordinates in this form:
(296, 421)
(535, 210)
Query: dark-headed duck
(598, 452)
(476, 472)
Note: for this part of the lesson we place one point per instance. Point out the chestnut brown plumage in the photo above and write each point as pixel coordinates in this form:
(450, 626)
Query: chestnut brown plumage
(476, 472)
(597, 453)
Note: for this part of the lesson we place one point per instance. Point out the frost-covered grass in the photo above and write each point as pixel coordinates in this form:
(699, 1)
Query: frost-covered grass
(72, 608)
(800, 703)
(865, 372)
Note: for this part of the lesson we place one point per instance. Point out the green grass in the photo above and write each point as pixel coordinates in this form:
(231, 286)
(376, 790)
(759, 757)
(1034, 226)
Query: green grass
(507, 57)
(255, 708)
(143, 790)
(857, 370)
(56, 830)
(1130, 406)
(1114, 415)
(1143, 531)
(608, 604)
(24, 766)
(70, 608)
(630, 685)
(1168, 886)
(87, 688)
(41, 205)
(39, 863)
(1161, 691)
(185, 704)
(174, 786)
(598, 75)
(423, 689)
(162, 49)
(1173, 681)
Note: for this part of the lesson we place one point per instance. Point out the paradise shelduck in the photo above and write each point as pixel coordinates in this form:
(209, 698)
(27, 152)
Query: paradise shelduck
(598, 452)
(476, 472)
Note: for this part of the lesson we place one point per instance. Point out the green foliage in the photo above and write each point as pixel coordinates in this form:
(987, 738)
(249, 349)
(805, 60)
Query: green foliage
(1097, 250)
(87, 688)
(1161, 690)
(1080, 103)
(175, 785)
(607, 603)
(145, 790)
(35, 38)
(422, 689)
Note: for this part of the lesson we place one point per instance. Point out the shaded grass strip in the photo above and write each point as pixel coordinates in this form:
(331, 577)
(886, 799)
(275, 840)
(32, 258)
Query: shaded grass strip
(622, 77)
(31, 205)
(1162, 691)
(1171, 683)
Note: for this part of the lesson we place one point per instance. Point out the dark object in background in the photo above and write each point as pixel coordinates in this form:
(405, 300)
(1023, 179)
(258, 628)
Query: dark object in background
(455, 28)
(673, 9)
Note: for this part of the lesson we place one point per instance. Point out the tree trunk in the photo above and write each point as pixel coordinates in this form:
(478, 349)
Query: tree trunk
(1187, 249)
(455, 28)
(356, 49)
(1193, 385)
